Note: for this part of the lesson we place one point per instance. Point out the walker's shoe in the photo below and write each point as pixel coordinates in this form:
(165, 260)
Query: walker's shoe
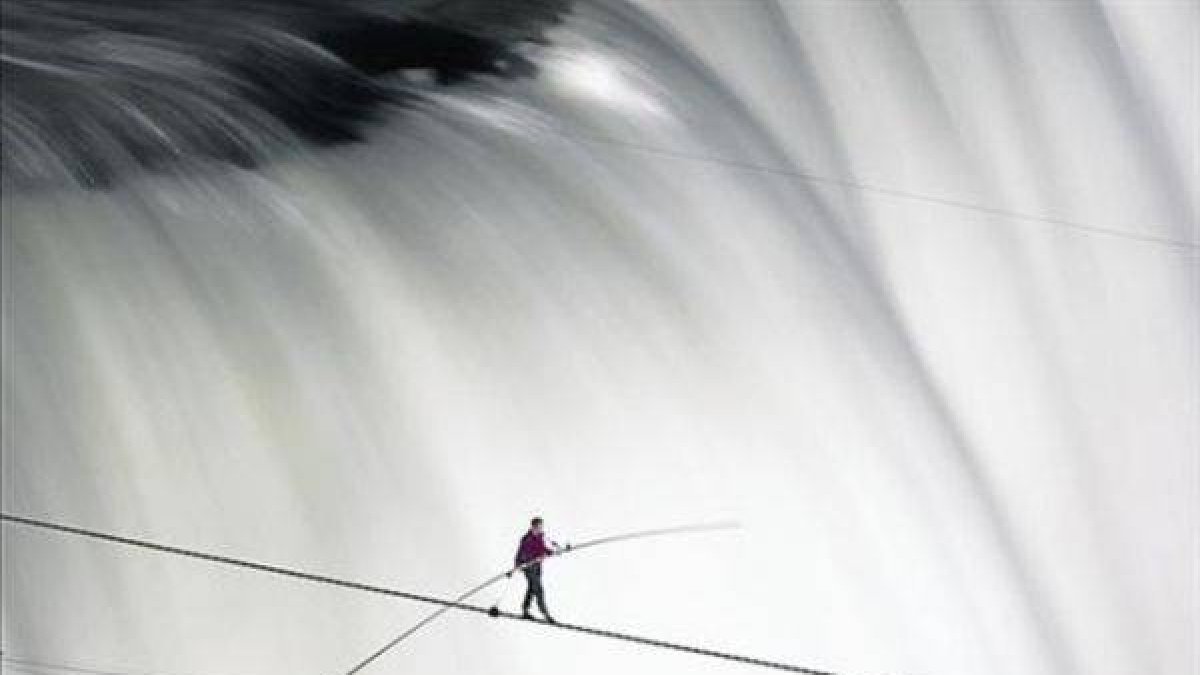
(527, 615)
(550, 619)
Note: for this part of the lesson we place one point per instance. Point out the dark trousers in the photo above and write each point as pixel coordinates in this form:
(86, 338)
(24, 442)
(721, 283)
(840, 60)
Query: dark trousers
(533, 580)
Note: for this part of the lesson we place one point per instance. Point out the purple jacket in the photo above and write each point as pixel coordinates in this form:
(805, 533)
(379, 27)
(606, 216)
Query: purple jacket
(533, 546)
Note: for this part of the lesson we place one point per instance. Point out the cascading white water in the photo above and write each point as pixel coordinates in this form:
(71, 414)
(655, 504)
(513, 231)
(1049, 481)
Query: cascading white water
(909, 290)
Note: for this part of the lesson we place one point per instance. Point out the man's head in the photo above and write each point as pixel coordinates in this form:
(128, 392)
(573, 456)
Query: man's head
(536, 524)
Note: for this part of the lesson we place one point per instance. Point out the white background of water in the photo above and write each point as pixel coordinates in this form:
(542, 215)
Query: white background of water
(757, 263)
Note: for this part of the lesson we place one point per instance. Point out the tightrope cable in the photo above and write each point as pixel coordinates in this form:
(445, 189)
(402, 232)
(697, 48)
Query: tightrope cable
(406, 595)
(44, 665)
(248, 564)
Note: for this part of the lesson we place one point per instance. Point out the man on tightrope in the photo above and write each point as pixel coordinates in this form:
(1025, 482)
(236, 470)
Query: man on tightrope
(530, 553)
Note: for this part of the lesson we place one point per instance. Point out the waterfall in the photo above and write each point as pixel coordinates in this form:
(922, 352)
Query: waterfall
(909, 290)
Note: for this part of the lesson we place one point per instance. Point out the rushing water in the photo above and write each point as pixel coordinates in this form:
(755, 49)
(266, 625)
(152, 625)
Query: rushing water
(908, 290)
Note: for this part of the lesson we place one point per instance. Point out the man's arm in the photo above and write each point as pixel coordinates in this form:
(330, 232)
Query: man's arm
(517, 557)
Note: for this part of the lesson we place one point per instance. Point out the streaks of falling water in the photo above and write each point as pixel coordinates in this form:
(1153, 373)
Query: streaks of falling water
(714, 261)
